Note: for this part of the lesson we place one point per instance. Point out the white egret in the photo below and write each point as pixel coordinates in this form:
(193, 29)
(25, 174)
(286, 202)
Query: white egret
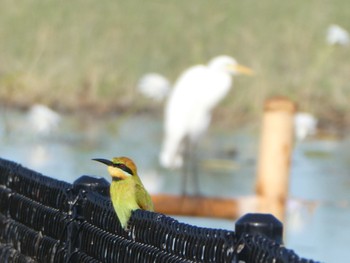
(188, 110)
(337, 35)
(154, 86)
(305, 124)
(43, 120)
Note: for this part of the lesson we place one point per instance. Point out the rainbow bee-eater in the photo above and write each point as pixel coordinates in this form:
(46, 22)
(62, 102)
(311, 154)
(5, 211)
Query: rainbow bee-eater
(127, 191)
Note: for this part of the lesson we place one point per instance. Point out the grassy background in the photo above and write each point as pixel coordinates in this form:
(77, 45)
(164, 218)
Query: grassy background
(89, 55)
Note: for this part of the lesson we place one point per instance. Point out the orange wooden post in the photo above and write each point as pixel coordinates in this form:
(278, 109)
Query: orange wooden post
(275, 155)
(197, 206)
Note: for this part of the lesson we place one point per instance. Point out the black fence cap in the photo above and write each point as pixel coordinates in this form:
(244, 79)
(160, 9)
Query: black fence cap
(90, 183)
(262, 224)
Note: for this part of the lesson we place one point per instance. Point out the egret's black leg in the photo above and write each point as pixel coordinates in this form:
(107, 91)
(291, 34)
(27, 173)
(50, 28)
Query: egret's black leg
(194, 169)
(185, 167)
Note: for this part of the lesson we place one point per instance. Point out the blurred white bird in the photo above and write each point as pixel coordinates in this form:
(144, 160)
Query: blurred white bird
(188, 110)
(305, 124)
(154, 86)
(42, 120)
(337, 35)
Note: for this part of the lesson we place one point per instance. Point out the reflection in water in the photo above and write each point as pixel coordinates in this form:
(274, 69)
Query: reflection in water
(39, 156)
(318, 210)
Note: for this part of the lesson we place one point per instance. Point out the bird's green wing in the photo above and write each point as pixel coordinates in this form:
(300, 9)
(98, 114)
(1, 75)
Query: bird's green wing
(143, 199)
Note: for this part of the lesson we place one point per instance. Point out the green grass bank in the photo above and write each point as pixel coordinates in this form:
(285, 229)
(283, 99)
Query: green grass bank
(89, 55)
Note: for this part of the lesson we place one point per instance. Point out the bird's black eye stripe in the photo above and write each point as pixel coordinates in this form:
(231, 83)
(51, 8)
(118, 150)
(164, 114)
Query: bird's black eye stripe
(124, 168)
(115, 179)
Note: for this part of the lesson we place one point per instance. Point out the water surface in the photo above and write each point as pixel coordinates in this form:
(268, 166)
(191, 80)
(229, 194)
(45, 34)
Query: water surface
(318, 208)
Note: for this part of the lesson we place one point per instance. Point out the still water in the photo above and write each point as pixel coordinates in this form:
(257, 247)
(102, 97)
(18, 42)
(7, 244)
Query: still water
(318, 217)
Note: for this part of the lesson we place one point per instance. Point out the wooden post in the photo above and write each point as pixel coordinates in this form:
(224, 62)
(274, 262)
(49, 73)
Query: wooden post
(274, 156)
(197, 206)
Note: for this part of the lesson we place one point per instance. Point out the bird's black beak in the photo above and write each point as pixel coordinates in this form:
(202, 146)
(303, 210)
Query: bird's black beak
(105, 161)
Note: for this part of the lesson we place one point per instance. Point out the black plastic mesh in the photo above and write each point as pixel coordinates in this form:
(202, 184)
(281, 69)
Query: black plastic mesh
(256, 248)
(45, 220)
(33, 185)
(8, 254)
(98, 211)
(194, 243)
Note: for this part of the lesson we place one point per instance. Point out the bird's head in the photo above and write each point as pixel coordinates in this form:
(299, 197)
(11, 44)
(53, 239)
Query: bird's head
(228, 64)
(120, 168)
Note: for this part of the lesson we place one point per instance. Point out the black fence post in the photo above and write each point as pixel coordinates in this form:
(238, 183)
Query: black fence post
(89, 183)
(261, 224)
(250, 226)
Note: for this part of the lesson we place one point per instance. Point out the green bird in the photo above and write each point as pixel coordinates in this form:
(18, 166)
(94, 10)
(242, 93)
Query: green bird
(126, 190)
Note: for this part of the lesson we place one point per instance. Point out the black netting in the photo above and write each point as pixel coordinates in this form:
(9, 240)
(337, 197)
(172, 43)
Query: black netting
(98, 211)
(9, 254)
(48, 220)
(100, 244)
(194, 243)
(35, 186)
(45, 220)
(257, 248)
